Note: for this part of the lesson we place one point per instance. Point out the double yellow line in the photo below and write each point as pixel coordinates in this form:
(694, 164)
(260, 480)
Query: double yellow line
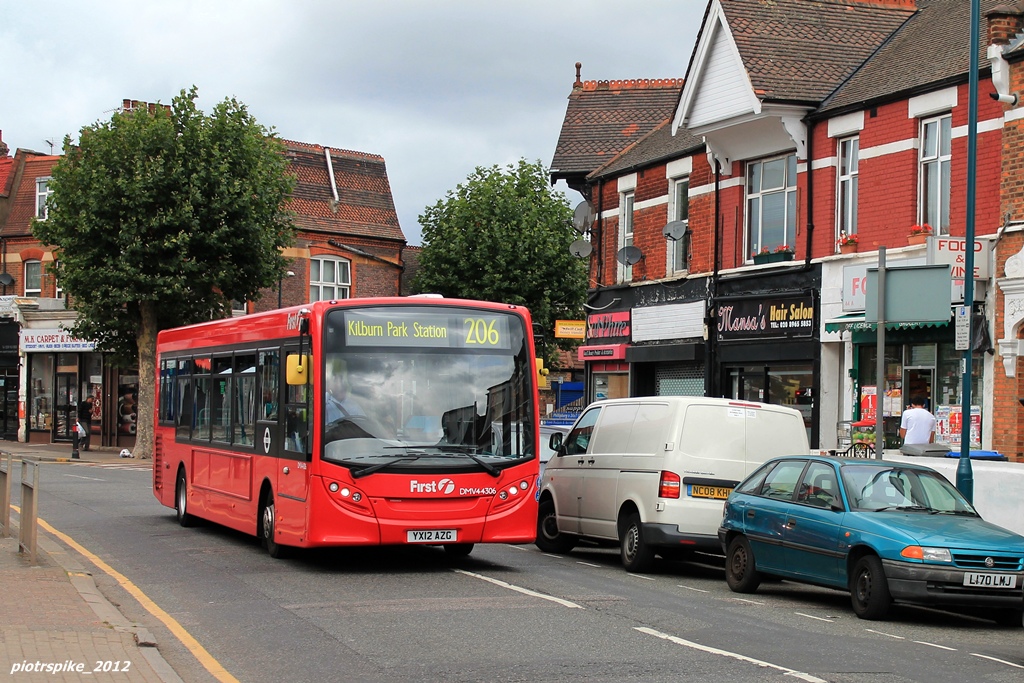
(186, 638)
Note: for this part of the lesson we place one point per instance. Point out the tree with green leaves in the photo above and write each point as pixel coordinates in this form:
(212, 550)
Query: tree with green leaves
(504, 235)
(162, 217)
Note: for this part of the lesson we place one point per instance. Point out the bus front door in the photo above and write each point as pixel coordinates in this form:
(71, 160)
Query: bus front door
(293, 465)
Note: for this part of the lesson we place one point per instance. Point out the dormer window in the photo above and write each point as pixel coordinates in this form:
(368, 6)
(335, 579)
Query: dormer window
(43, 193)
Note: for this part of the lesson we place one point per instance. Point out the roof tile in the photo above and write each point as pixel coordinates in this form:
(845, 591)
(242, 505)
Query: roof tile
(604, 117)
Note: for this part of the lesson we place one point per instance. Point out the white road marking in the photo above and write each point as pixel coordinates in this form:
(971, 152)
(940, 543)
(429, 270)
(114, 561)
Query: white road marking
(882, 633)
(557, 557)
(725, 653)
(813, 617)
(696, 590)
(587, 564)
(1001, 661)
(941, 647)
(78, 476)
(520, 589)
(637, 576)
(752, 602)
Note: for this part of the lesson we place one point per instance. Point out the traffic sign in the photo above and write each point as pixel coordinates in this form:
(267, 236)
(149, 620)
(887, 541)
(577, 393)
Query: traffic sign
(963, 328)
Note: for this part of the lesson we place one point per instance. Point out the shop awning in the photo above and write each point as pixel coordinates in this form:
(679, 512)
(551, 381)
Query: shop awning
(855, 322)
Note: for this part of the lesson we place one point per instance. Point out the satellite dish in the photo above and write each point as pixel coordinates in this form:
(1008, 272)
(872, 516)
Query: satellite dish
(627, 256)
(581, 248)
(583, 216)
(6, 280)
(675, 230)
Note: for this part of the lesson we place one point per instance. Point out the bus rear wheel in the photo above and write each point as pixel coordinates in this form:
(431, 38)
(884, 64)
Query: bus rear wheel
(181, 500)
(268, 528)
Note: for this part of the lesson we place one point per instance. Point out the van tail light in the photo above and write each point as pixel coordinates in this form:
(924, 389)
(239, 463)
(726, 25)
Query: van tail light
(669, 485)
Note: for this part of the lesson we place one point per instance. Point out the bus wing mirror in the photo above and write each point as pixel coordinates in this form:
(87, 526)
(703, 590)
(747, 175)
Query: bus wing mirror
(297, 369)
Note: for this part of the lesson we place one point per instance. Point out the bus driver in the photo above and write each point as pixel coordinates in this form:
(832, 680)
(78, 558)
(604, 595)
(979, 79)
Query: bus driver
(338, 402)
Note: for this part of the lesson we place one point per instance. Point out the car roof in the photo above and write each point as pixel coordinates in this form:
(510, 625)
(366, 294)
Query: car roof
(849, 461)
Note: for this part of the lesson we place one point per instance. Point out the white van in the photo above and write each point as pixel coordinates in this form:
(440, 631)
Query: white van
(652, 473)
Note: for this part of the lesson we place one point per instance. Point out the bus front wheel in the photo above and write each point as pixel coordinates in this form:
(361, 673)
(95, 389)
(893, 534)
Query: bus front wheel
(268, 522)
(458, 549)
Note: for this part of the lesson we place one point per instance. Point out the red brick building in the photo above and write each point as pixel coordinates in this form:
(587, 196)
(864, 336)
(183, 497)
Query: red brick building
(801, 124)
(348, 244)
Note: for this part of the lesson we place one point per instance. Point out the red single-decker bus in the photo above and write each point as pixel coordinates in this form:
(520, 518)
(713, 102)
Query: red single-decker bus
(408, 420)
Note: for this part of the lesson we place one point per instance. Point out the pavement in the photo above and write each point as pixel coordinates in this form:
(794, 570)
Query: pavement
(56, 625)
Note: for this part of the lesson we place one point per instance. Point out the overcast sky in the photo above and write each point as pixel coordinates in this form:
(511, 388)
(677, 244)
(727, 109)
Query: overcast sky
(436, 88)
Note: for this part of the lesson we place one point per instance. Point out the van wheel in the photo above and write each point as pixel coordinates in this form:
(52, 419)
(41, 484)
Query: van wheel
(181, 501)
(869, 590)
(268, 528)
(549, 538)
(740, 568)
(637, 556)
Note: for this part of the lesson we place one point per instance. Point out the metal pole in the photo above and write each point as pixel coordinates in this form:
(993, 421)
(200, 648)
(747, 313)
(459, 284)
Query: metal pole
(964, 470)
(880, 359)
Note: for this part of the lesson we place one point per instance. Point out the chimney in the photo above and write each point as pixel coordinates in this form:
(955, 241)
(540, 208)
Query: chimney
(1004, 22)
(578, 84)
(4, 149)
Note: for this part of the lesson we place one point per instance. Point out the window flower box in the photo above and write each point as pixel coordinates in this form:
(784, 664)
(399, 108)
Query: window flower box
(919, 234)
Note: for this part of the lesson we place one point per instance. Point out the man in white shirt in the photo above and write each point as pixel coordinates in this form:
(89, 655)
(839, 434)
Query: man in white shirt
(917, 425)
(338, 403)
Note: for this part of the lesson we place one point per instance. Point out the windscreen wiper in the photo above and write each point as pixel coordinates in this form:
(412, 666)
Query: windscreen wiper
(469, 452)
(357, 474)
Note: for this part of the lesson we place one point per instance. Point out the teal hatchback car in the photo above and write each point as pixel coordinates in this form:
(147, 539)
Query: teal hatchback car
(885, 531)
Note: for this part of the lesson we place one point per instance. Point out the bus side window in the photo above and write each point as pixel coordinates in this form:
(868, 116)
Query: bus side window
(270, 374)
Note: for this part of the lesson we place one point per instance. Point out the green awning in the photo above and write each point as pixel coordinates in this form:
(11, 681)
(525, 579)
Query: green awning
(855, 323)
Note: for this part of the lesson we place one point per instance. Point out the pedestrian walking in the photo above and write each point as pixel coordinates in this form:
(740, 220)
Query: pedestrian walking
(85, 408)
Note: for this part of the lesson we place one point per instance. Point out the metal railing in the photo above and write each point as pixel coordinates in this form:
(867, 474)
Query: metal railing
(27, 526)
(5, 496)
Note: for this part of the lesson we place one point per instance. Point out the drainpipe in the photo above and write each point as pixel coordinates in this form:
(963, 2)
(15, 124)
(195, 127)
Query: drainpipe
(711, 315)
(810, 191)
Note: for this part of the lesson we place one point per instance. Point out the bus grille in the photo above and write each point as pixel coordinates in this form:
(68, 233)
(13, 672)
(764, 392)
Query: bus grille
(158, 457)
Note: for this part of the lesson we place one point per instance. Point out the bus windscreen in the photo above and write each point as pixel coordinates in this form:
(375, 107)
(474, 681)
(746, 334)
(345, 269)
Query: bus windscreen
(410, 389)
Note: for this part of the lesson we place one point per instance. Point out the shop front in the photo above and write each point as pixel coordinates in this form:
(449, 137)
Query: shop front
(768, 347)
(920, 360)
(60, 371)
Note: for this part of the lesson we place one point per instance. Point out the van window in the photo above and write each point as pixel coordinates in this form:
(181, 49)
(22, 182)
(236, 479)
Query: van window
(579, 438)
(616, 425)
(714, 432)
(771, 434)
(650, 428)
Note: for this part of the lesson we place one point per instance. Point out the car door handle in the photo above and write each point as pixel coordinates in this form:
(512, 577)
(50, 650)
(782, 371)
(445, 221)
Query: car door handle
(579, 462)
(790, 523)
(750, 514)
(286, 470)
(590, 462)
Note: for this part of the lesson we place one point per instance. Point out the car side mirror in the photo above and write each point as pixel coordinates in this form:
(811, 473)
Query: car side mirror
(555, 443)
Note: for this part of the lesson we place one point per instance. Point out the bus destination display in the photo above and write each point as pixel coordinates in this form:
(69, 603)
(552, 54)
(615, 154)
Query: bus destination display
(426, 329)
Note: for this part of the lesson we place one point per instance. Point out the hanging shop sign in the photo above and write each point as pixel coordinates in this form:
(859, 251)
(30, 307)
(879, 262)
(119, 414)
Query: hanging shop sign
(608, 325)
(770, 317)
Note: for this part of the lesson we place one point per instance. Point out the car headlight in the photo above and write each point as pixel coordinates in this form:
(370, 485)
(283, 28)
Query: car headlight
(916, 552)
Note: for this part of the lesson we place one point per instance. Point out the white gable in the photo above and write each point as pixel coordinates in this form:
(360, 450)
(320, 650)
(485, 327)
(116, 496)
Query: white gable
(718, 87)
